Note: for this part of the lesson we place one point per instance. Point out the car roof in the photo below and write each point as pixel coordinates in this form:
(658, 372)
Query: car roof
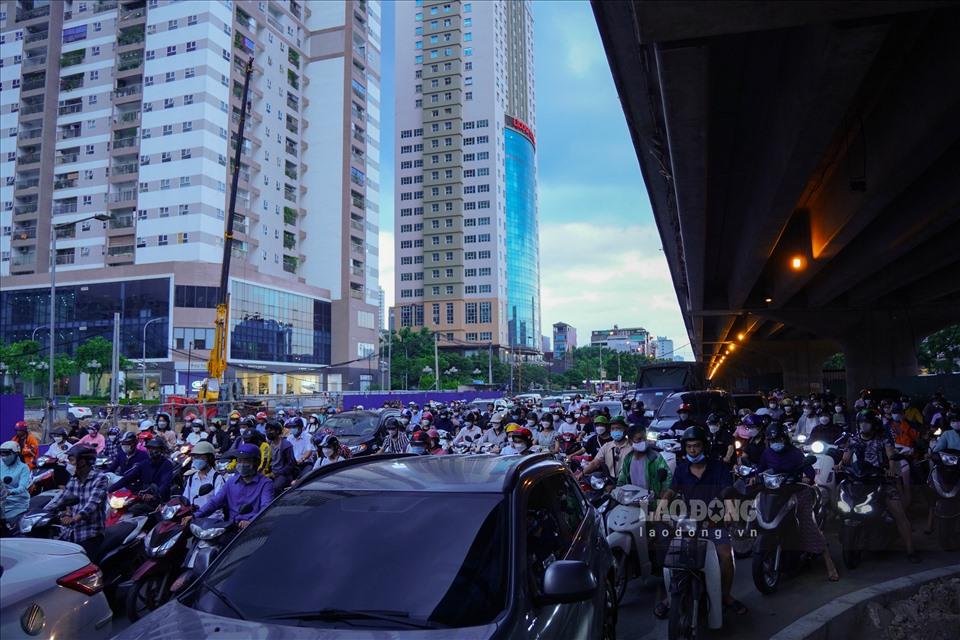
(445, 474)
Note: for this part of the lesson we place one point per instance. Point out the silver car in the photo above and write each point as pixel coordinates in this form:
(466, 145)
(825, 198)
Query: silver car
(50, 589)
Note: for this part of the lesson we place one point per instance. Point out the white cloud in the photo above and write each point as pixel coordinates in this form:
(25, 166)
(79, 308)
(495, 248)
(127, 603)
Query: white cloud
(595, 276)
(580, 52)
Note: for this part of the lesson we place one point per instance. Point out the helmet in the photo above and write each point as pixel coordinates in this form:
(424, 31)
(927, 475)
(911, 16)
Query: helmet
(433, 433)
(684, 407)
(330, 441)
(113, 431)
(248, 452)
(601, 420)
(190, 417)
(294, 423)
(715, 418)
(522, 432)
(248, 434)
(197, 423)
(568, 437)
(615, 420)
(273, 425)
(145, 424)
(234, 415)
(868, 415)
(776, 431)
(786, 402)
(202, 448)
(59, 431)
(693, 433)
(94, 426)
(752, 420)
(155, 443)
(511, 427)
(393, 423)
(20, 426)
(128, 438)
(249, 422)
(497, 418)
(10, 446)
(420, 438)
(359, 407)
(261, 415)
(82, 452)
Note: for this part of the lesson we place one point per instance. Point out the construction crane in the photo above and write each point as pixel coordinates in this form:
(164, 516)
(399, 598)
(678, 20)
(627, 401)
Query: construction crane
(217, 364)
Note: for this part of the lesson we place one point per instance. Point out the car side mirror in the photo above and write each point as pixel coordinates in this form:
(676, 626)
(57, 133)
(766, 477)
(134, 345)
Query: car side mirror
(70, 500)
(662, 475)
(205, 489)
(568, 581)
(245, 509)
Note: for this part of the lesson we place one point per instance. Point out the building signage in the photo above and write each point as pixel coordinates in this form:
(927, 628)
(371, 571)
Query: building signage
(522, 127)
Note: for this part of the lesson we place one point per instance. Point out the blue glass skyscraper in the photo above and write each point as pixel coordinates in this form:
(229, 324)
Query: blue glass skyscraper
(522, 240)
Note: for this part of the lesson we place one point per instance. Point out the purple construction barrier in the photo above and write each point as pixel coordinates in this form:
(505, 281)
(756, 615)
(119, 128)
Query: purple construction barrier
(11, 412)
(376, 400)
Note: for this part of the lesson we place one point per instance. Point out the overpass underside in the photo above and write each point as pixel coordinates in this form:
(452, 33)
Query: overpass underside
(803, 164)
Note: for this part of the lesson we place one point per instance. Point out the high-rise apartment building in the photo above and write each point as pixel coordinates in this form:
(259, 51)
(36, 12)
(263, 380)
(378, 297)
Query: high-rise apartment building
(635, 339)
(663, 348)
(564, 340)
(467, 236)
(131, 109)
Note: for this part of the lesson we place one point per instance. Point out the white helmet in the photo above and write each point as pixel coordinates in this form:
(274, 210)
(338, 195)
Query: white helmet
(146, 424)
(10, 446)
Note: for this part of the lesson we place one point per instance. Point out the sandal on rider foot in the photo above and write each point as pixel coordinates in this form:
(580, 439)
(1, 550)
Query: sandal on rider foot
(736, 606)
(661, 611)
(834, 578)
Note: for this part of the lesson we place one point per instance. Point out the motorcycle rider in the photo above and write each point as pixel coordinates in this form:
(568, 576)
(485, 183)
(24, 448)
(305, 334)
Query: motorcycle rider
(493, 434)
(643, 463)
(420, 443)
(155, 473)
(697, 478)
(546, 438)
(720, 444)
(111, 443)
(304, 452)
(470, 432)
(873, 446)
(839, 416)
(145, 434)
(330, 451)
(283, 465)
(233, 424)
(196, 434)
(435, 448)
(261, 425)
(906, 436)
(826, 430)
(521, 440)
(202, 471)
(611, 454)
(16, 493)
(594, 443)
(85, 521)
(750, 436)
(772, 409)
(59, 447)
(247, 487)
(27, 445)
(807, 422)
(217, 436)
(781, 456)
(93, 438)
(128, 455)
(684, 422)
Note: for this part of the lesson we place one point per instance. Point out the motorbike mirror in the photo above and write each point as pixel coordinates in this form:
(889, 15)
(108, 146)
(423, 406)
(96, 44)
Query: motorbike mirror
(69, 500)
(662, 475)
(205, 489)
(245, 509)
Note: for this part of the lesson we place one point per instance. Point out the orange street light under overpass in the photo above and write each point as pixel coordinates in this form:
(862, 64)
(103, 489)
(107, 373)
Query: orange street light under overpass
(798, 263)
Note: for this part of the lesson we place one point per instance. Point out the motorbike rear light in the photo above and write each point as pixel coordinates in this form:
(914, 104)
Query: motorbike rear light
(87, 580)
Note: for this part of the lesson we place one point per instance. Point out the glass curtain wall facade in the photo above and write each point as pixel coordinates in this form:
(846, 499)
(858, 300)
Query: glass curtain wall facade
(86, 311)
(522, 239)
(267, 325)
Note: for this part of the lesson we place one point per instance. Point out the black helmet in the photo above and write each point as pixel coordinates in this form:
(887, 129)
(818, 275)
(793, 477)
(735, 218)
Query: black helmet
(156, 443)
(128, 438)
(393, 423)
(82, 452)
(273, 425)
(868, 415)
(715, 418)
(693, 433)
(248, 434)
(59, 431)
(776, 431)
(330, 441)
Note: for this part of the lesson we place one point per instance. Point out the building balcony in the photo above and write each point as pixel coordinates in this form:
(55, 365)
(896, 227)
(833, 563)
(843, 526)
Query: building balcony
(28, 183)
(128, 119)
(124, 170)
(23, 233)
(66, 183)
(23, 263)
(129, 64)
(25, 209)
(25, 159)
(127, 94)
(67, 158)
(73, 58)
(33, 85)
(66, 258)
(289, 216)
(34, 62)
(101, 7)
(30, 14)
(69, 134)
(123, 198)
(67, 207)
(133, 16)
(68, 109)
(121, 254)
(36, 36)
(33, 134)
(123, 144)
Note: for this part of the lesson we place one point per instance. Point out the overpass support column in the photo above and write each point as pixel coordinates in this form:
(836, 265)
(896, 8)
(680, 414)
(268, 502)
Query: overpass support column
(881, 349)
(802, 363)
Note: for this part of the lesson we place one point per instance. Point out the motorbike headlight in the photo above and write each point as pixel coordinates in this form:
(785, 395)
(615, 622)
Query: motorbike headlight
(185, 449)
(801, 438)
(949, 459)
(738, 445)
(938, 432)
(222, 466)
(169, 511)
(597, 482)
(117, 502)
(102, 461)
(772, 481)
(652, 436)
(28, 522)
(745, 471)
(818, 447)
(206, 534)
(843, 506)
(166, 546)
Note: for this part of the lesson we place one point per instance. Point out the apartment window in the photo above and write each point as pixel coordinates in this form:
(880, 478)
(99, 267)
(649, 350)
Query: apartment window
(164, 183)
(171, 24)
(150, 54)
(185, 154)
(162, 240)
(168, 103)
(188, 126)
(486, 314)
(470, 312)
(435, 257)
(468, 51)
(87, 201)
(172, 50)
(189, 72)
(168, 129)
(449, 307)
(191, 46)
(165, 156)
(188, 98)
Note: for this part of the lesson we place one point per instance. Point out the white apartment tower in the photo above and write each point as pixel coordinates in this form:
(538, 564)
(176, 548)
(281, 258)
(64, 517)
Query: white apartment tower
(130, 109)
(466, 201)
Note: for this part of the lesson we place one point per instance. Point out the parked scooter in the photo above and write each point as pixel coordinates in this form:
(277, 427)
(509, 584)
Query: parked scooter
(865, 523)
(945, 481)
(627, 534)
(777, 547)
(166, 547)
(691, 571)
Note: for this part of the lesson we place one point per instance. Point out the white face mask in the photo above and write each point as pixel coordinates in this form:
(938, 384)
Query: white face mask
(838, 409)
(58, 439)
(714, 428)
(824, 420)
(772, 405)
(569, 420)
(640, 447)
(71, 468)
(546, 425)
(327, 452)
(807, 412)
(520, 446)
(601, 430)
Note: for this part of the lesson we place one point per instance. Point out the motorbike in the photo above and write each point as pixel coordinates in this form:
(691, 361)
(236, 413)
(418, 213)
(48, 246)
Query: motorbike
(865, 522)
(776, 549)
(945, 481)
(181, 464)
(44, 475)
(597, 487)
(743, 534)
(669, 448)
(39, 522)
(627, 535)
(118, 503)
(166, 547)
(691, 571)
(828, 456)
(120, 553)
(210, 536)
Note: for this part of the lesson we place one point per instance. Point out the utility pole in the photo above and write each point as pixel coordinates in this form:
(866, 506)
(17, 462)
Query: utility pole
(490, 364)
(436, 358)
(390, 353)
(115, 368)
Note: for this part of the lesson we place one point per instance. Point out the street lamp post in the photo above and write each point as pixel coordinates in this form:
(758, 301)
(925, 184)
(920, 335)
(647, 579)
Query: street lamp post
(143, 358)
(53, 308)
(428, 371)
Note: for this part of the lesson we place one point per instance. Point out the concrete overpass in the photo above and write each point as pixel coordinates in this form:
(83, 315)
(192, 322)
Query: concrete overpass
(803, 164)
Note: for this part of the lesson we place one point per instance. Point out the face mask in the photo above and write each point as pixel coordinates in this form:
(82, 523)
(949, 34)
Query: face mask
(695, 459)
(788, 408)
(714, 428)
(246, 469)
(162, 424)
(327, 452)
(569, 420)
(197, 429)
(404, 421)
(752, 433)
(127, 450)
(640, 447)
(530, 423)
(425, 423)
(546, 425)
(8, 459)
(601, 430)
(58, 439)
(777, 446)
(92, 434)
(838, 409)
(824, 420)
(684, 416)
(468, 425)
(199, 464)
(617, 435)
(418, 450)
(807, 412)
(772, 405)
(520, 446)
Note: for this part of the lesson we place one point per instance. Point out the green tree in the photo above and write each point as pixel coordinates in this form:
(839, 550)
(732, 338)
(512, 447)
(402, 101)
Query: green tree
(940, 352)
(836, 361)
(16, 358)
(94, 357)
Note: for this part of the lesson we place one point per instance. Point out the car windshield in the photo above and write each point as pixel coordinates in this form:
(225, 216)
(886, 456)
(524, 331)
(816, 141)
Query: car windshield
(671, 404)
(615, 406)
(358, 424)
(352, 553)
(651, 399)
